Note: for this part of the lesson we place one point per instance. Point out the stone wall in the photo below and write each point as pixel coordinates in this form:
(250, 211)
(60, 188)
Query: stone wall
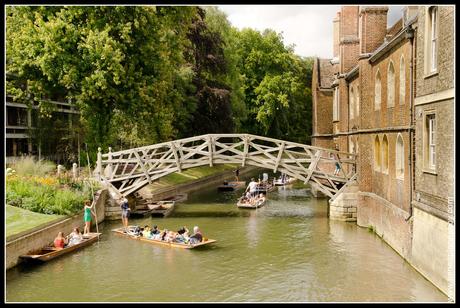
(433, 248)
(46, 235)
(387, 220)
(343, 208)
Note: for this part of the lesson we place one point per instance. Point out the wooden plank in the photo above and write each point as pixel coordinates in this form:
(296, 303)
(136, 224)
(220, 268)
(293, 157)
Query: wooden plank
(280, 154)
(142, 166)
(176, 157)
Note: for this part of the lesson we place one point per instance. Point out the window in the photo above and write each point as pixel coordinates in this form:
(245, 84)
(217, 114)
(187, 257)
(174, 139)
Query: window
(391, 85)
(399, 157)
(352, 102)
(430, 141)
(431, 36)
(378, 90)
(335, 112)
(385, 154)
(377, 153)
(357, 101)
(402, 82)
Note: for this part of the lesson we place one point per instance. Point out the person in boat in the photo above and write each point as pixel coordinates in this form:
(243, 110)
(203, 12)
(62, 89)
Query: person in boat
(87, 216)
(125, 212)
(146, 233)
(164, 234)
(252, 187)
(196, 237)
(182, 235)
(60, 241)
(261, 199)
(155, 230)
(75, 237)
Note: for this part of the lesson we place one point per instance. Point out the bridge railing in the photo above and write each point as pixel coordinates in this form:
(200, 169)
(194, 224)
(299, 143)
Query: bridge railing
(130, 170)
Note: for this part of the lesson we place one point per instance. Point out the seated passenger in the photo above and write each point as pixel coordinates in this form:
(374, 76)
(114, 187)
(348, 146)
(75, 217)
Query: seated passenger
(75, 237)
(60, 241)
(146, 232)
(164, 234)
(196, 237)
(182, 235)
(155, 230)
(260, 199)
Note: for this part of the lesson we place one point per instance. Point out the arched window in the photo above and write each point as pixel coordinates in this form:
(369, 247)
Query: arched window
(378, 90)
(391, 85)
(352, 102)
(385, 154)
(377, 153)
(357, 101)
(399, 157)
(402, 82)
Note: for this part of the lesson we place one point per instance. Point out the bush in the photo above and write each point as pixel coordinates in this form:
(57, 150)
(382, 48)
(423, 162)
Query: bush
(44, 196)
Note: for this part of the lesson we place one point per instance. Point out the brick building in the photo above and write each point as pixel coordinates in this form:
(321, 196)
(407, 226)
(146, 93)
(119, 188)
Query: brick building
(387, 93)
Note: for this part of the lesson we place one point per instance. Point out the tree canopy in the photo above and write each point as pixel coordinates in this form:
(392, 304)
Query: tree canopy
(146, 74)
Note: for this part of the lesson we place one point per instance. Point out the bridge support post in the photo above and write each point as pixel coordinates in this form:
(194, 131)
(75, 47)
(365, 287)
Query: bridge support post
(98, 164)
(344, 207)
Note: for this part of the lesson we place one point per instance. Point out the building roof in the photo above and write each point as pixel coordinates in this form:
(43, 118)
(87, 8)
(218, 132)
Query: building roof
(325, 73)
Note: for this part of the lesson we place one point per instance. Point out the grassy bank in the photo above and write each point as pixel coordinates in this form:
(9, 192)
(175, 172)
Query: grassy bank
(19, 220)
(191, 175)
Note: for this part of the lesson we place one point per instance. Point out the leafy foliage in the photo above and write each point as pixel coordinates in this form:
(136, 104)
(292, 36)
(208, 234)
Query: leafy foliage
(147, 74)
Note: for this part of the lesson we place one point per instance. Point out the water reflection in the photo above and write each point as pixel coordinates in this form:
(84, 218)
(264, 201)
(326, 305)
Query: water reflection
(285, 251)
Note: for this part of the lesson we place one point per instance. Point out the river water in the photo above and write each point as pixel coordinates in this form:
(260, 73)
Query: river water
(286, 251)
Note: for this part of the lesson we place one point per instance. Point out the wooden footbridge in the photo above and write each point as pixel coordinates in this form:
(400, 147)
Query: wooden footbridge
(129, 170)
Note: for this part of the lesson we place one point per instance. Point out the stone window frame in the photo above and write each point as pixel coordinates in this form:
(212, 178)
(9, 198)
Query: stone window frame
(357, 100)
(431, 58)
(377, 90)
(335, 105)
(385, 155)
(402, 80)
(351, 97)
(391, 88)
(399, 157)
(377, 154)
(428, 167)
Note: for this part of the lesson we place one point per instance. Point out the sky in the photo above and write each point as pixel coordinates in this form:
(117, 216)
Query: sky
(308, 27)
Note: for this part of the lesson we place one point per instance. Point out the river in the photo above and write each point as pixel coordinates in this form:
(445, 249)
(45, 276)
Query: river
(286, 251)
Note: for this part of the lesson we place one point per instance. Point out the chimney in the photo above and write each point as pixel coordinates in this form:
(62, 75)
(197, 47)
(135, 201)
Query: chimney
(373, 27)
(349, 41)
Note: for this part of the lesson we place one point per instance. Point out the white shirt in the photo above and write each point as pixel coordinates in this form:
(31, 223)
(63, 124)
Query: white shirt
(252, 186)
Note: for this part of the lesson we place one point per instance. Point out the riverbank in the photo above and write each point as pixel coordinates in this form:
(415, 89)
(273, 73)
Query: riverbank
(42, 234)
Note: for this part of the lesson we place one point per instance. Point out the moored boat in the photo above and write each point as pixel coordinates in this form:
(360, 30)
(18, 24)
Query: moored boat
(205, 241)
(49, 252)
(280, 182)
(231, 186)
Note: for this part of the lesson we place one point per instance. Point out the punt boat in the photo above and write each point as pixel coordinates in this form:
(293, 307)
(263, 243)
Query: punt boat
(120, 231)
(245, 205)
(231, 186)
(50, 252)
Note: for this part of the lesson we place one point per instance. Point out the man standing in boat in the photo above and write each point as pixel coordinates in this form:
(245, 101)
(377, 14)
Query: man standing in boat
(125, 213)
(252, 187)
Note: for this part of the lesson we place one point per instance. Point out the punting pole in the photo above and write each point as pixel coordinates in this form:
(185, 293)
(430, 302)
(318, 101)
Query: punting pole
(92, 191)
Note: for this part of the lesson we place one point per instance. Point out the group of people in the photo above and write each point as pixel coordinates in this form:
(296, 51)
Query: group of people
(74, 238)
(180, 236)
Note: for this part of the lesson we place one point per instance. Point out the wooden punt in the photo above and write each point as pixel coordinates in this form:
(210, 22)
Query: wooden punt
(161, 208)
(231, 186)
(281, 183)
(265, 187)
(49, 252)
(159, 242)
(250, 206)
